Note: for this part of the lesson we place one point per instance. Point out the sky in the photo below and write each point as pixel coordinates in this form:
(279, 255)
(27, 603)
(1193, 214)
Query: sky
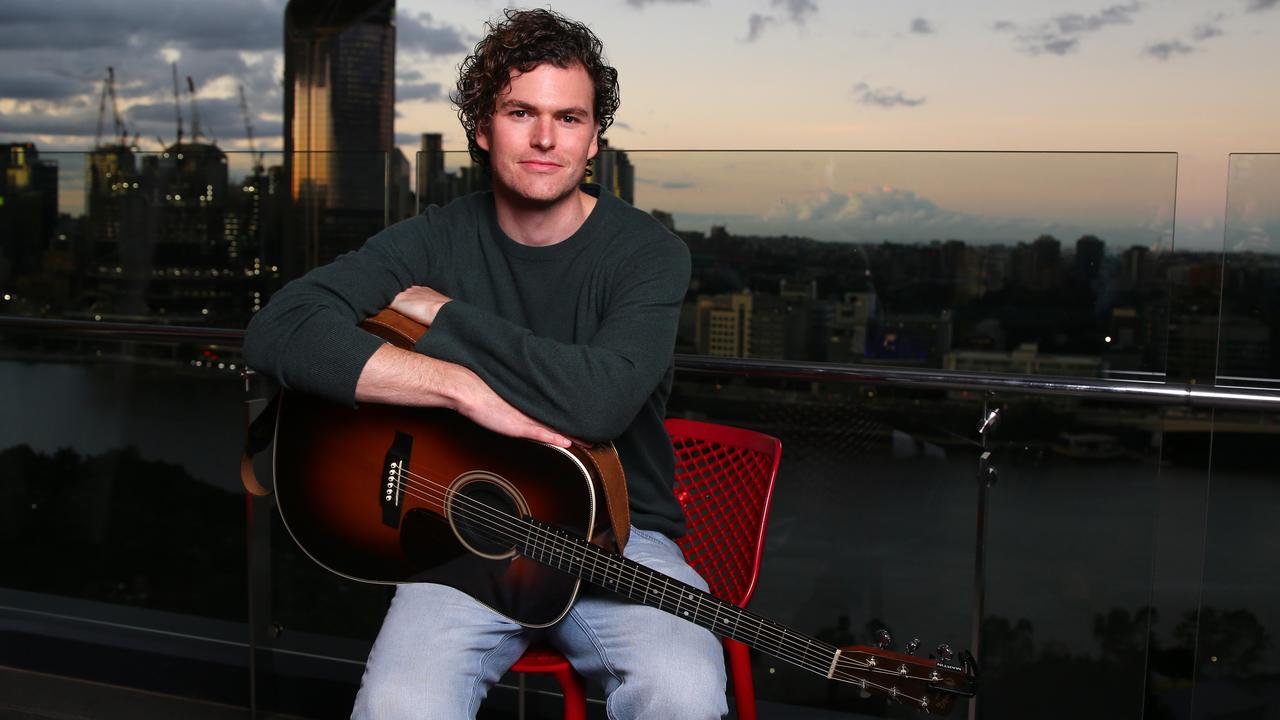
(1197, 79)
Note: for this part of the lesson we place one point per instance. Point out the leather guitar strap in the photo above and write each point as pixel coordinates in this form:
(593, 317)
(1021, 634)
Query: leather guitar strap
(614, 482)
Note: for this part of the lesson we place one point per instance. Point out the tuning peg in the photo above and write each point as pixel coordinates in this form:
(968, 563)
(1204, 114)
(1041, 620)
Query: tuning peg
(913, 646)
(944, 652)
(883, 639)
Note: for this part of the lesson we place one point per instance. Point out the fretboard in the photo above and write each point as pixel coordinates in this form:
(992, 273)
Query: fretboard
(574, 555)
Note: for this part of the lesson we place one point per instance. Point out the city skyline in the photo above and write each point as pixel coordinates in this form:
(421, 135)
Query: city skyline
(995, 76)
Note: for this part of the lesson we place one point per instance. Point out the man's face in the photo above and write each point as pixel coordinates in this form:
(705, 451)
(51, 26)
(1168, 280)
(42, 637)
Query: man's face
(541, 134)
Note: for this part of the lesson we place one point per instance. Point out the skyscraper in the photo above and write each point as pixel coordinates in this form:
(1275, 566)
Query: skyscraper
(339, 110)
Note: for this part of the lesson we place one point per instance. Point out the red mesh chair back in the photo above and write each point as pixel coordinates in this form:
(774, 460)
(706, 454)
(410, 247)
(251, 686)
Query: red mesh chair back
(724, 481)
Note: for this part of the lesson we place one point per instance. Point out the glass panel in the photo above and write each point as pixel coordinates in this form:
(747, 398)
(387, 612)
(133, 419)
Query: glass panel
(1236, 660)
(189, 236)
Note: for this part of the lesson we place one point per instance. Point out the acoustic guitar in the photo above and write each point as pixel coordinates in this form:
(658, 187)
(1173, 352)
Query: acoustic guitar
(390, 494)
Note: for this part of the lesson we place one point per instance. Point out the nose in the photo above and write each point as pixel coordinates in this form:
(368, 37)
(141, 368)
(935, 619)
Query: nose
(543, 136)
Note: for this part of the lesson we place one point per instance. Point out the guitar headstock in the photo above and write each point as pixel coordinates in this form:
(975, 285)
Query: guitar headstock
(931, 684)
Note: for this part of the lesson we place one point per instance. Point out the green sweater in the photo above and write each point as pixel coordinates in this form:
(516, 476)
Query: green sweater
(578, 335)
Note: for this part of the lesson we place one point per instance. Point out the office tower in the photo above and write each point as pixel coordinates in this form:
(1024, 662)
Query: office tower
(436, 186)
(338, 121)
(613, 171)
(28, 205)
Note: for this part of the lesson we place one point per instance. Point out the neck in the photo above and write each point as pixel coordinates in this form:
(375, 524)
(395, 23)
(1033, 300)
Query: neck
(541, 224)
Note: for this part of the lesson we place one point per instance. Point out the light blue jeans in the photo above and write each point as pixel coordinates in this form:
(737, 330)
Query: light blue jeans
(439, 651)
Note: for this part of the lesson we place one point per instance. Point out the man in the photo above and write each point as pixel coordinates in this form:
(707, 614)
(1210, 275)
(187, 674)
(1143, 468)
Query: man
(552, 309)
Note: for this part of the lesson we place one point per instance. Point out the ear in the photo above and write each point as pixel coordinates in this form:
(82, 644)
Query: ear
(482, 133)
(595, 143)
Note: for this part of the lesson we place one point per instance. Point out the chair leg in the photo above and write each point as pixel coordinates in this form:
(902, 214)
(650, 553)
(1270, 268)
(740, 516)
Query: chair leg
(744, 692)
(575, 696)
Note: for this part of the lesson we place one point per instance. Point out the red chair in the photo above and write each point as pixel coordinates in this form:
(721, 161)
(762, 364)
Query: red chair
(724, 481)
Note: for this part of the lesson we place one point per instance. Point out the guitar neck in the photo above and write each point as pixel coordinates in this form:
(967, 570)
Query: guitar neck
(574, 555)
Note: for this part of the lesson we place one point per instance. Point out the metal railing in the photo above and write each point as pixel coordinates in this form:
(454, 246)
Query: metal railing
(1145, 392)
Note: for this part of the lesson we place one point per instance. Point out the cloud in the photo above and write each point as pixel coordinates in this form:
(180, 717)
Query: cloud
(1061, 35)
(1261, 5)
(423, 35)
(1204, 31)
(428, 91)
(901, 215)
(667, 184)
(796, 11)
(31, 84)
(921, 26)
(1166, 50)
(81, 24)
(884, 96)
(756, 25)
(642, 3)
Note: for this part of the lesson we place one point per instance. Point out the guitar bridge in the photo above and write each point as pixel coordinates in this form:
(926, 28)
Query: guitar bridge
(395, 466)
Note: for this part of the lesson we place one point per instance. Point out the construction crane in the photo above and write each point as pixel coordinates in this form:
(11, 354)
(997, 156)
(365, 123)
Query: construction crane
(195, 110)
(248, 133)
(121, 133)
(109, 91)
(177, 104)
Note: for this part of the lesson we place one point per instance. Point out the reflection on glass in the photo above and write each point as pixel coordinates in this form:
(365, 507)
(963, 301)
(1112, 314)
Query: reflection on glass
(191, 235)
(1250, 290)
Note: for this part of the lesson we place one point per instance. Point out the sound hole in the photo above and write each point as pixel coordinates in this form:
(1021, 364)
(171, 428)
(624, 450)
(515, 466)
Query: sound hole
(484, 512)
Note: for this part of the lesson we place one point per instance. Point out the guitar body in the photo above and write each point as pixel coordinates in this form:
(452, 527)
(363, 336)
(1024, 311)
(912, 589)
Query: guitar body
(384, 494)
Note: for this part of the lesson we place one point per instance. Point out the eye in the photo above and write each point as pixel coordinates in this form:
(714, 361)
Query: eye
(519, 113)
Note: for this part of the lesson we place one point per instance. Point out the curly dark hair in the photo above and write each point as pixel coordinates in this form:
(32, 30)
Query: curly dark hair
(525, 40)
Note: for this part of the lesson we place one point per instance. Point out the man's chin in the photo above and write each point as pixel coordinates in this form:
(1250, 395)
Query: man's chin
(536, 196)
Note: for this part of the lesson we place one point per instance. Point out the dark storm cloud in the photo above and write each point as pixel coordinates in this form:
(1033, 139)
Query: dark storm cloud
(81, 24)
(220, 118)
(884, 96)
(429, 91)
(23, 84)
(72, 42)
(921, 26)
(422, 34)
(1061, 35)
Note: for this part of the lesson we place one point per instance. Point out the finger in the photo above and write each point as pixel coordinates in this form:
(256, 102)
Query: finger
(553, 438)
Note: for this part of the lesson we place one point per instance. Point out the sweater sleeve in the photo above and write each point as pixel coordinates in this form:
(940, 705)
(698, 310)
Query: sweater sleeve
(592, 391)
(307, 337)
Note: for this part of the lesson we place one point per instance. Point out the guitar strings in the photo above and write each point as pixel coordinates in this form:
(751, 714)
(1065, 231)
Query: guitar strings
(476, 511)
(817, 665)
(433, 491)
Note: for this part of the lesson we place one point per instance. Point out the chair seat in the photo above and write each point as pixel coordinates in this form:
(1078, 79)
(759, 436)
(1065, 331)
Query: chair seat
(541, 658)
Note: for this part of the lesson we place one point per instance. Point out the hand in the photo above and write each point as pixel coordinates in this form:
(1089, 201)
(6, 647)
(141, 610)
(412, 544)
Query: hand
(477, 401)
(419, 303)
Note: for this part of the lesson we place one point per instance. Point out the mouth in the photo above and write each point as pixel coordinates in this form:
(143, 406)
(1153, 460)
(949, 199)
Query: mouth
(540, 165)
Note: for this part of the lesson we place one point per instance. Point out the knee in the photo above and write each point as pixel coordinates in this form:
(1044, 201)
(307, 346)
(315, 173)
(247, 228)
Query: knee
(391, 696)
(672, 689)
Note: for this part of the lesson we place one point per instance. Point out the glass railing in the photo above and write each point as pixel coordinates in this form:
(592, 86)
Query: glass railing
(867, 308)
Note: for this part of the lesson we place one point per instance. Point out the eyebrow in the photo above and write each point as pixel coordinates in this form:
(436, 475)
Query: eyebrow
(522, 105)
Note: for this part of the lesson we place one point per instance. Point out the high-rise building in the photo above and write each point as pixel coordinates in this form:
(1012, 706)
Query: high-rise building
(613, 171)
(339, 109)
(28, 205)
(437, 186)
